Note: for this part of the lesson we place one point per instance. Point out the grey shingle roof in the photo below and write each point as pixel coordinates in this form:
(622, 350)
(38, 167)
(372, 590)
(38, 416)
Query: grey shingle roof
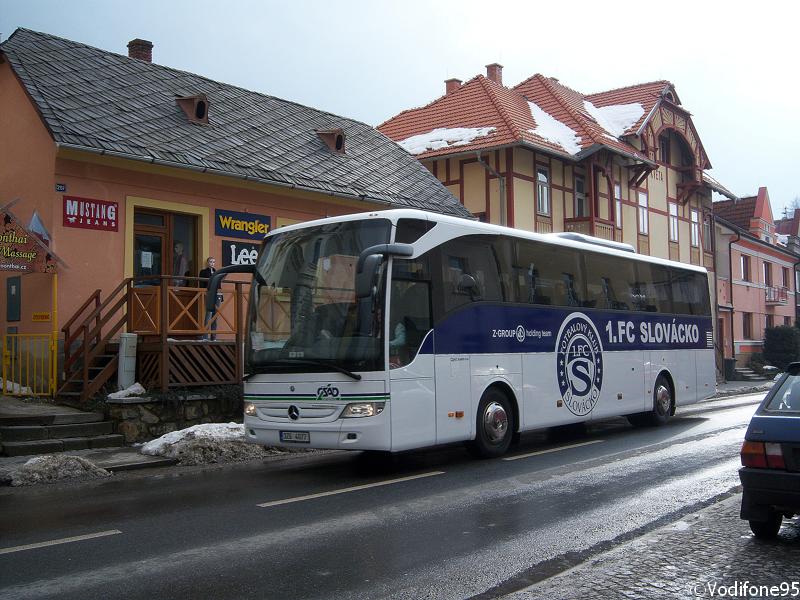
(108, 102)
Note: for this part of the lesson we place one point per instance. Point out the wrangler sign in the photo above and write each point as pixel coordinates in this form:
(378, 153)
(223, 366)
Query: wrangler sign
(249, 226)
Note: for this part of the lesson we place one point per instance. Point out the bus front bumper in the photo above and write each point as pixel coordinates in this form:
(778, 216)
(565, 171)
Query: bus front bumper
(364, 433)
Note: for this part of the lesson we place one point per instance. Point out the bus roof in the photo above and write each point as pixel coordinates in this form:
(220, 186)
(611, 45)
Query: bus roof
(472, 227)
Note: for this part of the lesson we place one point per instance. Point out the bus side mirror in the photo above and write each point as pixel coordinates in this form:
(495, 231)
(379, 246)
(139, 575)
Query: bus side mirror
(467, 283)
(216, 280)
(365, 278)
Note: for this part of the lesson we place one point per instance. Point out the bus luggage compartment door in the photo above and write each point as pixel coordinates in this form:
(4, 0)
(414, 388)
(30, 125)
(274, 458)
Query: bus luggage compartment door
(454, 413)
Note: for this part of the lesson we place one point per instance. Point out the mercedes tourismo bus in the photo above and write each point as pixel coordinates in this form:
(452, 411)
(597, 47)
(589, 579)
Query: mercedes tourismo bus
(403, 329)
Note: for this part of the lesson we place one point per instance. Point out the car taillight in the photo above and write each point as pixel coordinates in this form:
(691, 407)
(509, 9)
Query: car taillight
(754, 455)
(775, 456)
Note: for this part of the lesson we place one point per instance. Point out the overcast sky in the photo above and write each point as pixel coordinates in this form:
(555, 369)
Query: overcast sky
(735, 69)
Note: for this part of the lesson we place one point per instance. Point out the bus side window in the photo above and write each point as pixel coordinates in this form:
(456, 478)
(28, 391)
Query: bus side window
(473, 257)
(689, 293)
(655, 295)
(608, 281)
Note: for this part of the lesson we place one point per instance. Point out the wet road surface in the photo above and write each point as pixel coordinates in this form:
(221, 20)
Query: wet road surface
(432, 524)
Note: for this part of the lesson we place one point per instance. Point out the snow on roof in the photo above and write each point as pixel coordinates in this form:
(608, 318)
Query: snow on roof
(782, 239)
(553, 130)
(444, 137)
(617, 118)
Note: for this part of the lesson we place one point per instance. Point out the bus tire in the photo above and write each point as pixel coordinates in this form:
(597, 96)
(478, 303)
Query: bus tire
(494, 427)
(767, 530)
(662, 402)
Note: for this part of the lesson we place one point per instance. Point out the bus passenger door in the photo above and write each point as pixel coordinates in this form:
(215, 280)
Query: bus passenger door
(454, 413)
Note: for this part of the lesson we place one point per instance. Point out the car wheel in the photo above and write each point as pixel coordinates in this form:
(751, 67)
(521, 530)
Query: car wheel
(494, 425)
(767, 530)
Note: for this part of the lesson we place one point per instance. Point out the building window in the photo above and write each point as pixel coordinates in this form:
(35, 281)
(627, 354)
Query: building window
(581, 206)
(695, 228)
(787, 321)
(767, 274)
(618, 204)
(663, 146)
(770, 321)
(707, 233)
(542, 191)
(644, 226)
(745, 268)
(673, 222)
(747, 326)
(785, 277)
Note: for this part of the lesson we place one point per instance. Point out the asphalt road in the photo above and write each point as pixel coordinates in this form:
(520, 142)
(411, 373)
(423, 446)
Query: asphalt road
(432, 524)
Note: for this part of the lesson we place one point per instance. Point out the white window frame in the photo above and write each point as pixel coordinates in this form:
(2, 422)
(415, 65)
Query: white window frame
(767, 268)
(543, 191)
(618, 205)
(742, 259)
(673, 221)
(580, 197)
(695, 228)
(644, 214)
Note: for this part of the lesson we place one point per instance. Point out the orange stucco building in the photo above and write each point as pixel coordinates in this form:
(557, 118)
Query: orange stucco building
(126, 161)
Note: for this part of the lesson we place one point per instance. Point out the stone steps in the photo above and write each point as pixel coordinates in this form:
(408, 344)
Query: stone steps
(61, 445)
(56, 430)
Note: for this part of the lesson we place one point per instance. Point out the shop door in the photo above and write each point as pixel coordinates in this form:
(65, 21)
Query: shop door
(165, 244)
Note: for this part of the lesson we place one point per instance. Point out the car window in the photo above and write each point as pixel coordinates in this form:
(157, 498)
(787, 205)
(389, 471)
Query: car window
(787, 398)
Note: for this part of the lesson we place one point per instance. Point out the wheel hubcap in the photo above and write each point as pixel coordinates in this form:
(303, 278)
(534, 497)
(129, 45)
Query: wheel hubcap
(663, 400)
(495, 422)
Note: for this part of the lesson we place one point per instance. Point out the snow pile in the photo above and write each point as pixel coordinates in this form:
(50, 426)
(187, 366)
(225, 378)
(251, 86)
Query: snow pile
(444, 138)
(206, 443)
(783, 240)
(617, 118)
(553, 130)
(55, 467)
(135, 390)
(12, 387)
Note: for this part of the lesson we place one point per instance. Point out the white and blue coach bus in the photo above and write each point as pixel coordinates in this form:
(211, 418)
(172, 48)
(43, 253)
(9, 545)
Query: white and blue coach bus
(403, 329)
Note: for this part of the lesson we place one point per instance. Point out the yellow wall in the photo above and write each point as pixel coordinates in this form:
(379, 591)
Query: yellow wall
(474, 187)
(523, 204)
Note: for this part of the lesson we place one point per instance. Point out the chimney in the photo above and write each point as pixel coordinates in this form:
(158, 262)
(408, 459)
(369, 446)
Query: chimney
(141, 49)
(494, 72)
(451, 85)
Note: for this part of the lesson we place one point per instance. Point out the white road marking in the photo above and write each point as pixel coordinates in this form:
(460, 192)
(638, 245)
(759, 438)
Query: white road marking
(548, 451)
(77, 538)
(350, 489)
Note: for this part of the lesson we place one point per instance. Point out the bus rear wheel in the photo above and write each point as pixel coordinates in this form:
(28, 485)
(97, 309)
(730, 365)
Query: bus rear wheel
(662, 406)
(495, 426)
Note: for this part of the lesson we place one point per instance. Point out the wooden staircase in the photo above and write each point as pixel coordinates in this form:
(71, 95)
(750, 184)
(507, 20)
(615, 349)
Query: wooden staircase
(91, 353)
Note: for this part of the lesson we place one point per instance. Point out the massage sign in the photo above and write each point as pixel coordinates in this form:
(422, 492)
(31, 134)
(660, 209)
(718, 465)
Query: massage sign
(22, 251)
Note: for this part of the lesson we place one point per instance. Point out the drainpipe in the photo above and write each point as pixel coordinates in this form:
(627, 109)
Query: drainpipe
(502, 181)
(730, 274)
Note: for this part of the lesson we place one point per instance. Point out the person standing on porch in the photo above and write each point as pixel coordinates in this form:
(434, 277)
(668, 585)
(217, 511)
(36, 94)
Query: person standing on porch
(205, 275)
(180, 265)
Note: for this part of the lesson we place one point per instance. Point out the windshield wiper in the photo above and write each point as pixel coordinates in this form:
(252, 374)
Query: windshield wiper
(308, 361)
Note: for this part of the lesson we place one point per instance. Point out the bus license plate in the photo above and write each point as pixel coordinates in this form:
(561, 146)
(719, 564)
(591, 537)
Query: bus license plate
(302, 437)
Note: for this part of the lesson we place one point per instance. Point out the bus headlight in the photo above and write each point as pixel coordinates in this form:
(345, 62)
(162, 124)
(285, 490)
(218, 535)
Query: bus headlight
(250, 409)
(363, 409)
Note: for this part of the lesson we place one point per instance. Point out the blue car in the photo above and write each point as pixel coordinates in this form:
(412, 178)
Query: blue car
(771, 458)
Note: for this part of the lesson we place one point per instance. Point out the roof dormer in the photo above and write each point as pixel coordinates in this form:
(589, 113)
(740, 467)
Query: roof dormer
(333, 138)
(195, 107)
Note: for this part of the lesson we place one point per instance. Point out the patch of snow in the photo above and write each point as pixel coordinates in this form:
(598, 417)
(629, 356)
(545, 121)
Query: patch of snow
(214, 431)
(553, 130)
(12, 387)
(135, 390)
(782, 239)
(617, 118)
(680, 526)
(444, 137)
(55, 467)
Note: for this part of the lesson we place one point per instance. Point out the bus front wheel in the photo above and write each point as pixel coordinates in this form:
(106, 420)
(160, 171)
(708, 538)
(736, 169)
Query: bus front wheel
(495, 426)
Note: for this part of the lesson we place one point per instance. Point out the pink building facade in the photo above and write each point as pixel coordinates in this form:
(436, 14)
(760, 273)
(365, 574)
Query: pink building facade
(755, 276)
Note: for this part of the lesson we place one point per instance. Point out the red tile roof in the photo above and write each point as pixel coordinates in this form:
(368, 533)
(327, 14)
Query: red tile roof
(739, 212)
(790, 225)
(481, 102)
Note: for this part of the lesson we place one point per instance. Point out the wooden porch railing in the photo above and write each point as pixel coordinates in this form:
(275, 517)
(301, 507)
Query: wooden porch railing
(174, 345)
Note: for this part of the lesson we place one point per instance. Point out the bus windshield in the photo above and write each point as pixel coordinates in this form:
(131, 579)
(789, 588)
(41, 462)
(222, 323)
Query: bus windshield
(304, 314)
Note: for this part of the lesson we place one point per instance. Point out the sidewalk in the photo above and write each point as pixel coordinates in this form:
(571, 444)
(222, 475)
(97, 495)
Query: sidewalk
(691, 558)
